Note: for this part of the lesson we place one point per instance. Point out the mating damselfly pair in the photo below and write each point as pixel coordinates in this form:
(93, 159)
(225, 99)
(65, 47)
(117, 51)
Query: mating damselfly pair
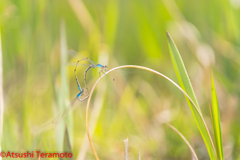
(82, 92)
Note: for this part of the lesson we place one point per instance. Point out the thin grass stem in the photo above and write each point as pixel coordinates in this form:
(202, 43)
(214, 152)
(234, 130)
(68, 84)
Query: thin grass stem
(147, 69)
(126, 148)
(185, 140)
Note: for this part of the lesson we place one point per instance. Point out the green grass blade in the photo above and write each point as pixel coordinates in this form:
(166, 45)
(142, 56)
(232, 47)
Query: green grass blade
(187, 87)
(216, 122)
(181, 71)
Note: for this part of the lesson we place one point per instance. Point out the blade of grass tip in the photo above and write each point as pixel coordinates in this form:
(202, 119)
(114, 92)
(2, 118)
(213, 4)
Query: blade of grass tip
(45, 146)
(1, 94)
(186, 85)
(66, 143)
(181, 71)
(185, 140)
(215, 115)
(126, 148)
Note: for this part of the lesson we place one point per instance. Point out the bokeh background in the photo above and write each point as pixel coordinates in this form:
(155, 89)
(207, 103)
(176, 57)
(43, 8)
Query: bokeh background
(39, 80)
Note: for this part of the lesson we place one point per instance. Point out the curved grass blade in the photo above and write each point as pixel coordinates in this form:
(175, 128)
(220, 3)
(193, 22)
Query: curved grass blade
(186, 85)
(215, 117)
(185, 140)
(147, 69)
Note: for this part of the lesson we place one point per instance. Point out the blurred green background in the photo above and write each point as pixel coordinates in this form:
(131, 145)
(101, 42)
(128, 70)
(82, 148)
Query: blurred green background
(39, 80)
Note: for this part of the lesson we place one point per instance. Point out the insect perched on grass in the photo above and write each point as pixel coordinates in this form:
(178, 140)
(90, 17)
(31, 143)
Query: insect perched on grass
(92, 65)
(103, 69)
(60, 117)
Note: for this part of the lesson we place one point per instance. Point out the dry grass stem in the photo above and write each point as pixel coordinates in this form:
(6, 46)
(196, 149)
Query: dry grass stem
(139, 153)
(143, 68)
(185, 140)
(97, 106)
(126, 148)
